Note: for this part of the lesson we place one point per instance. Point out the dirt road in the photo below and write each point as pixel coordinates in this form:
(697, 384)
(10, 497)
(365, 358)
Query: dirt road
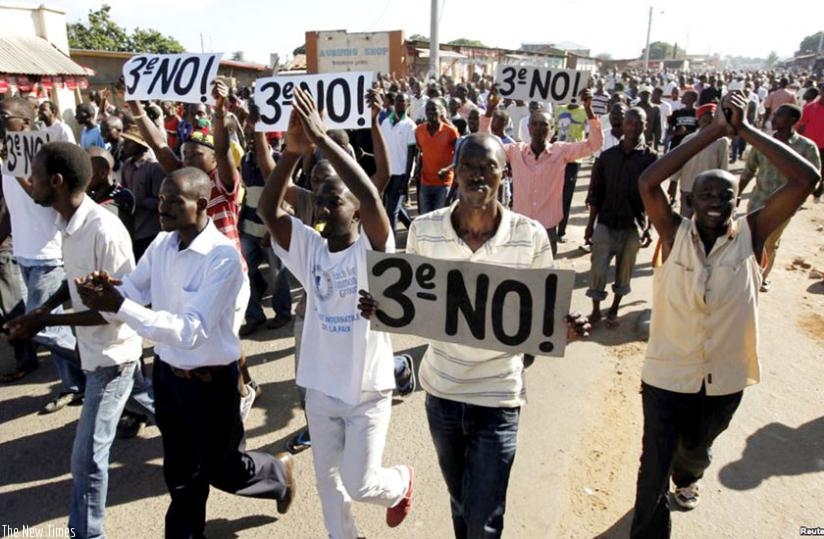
(574, 475)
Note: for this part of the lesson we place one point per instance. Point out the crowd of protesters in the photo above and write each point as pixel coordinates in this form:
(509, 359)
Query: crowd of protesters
(173, 223)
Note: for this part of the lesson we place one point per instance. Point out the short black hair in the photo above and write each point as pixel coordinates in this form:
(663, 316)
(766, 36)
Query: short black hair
(794, 111)
(85, 107)
(69, 160)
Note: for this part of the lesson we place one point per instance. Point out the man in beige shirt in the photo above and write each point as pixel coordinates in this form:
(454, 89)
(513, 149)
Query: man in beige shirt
(694, 374)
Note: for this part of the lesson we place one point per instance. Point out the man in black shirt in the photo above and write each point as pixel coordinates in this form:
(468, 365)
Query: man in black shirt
(614, 200)
(683, 121)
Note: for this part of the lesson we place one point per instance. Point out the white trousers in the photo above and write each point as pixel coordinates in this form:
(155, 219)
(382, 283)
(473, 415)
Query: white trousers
(347, 450)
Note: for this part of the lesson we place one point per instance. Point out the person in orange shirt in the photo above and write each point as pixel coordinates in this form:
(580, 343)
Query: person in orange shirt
(435, 141)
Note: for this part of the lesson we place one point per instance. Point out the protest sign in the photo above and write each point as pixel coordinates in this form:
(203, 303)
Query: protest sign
(173, 77)
(21, 147)
(532, 83)
(341, 97)
(480, 305)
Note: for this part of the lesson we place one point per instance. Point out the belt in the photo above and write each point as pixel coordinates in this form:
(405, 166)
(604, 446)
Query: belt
(203, 374)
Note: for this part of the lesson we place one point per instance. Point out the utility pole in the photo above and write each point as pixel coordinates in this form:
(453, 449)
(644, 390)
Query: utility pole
(646, 49)
(434, 44)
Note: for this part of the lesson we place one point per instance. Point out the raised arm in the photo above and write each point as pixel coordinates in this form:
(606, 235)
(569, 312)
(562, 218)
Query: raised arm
(657, 206)
(372, 214)
(801, 175)
(270, 209)
(381, 176)
(226, 168)
(155, 138)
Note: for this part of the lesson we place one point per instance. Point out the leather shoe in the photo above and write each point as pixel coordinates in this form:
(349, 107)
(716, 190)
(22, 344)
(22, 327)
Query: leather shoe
(250, 327)
(288, 463)
(17, 374)
(279, 321)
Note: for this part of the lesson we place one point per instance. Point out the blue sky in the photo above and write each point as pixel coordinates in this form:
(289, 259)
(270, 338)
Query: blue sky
(616, 27)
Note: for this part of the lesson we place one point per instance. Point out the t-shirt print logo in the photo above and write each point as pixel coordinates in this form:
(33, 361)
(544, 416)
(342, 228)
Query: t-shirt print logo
(323, 284)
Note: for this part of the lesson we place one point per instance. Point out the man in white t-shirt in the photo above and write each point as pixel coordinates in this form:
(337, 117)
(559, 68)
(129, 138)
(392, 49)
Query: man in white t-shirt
(346, 368)
(36, 249)
(58, 131)
(398, 131)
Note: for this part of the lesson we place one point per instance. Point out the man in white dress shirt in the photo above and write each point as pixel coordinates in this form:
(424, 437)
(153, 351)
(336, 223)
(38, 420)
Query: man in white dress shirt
(192, 275)
(93, 239)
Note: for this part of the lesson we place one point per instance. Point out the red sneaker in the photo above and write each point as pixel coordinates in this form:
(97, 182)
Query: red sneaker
(396, 514)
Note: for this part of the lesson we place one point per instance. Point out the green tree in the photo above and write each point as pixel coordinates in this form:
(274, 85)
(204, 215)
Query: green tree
(419, 37)
(238, 56)
(772, 58)
(466, 42)
(810, 43)
(603, 56)
(659, 50)
(300, 50)
(147, 40)
(101, 33)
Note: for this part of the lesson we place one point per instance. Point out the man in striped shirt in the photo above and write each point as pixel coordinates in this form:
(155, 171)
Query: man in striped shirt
(465, 385)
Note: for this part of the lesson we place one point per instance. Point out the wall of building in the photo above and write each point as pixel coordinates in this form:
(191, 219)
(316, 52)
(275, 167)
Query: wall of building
(338, 51)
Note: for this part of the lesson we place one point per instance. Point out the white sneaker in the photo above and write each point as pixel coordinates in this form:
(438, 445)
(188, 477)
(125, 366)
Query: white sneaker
(246, 402)
(687, 497)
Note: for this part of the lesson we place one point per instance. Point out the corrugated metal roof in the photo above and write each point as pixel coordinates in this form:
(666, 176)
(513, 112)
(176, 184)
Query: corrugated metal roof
(34, 56)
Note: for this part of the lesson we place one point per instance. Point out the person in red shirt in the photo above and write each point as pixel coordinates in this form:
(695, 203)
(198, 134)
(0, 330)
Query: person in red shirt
(811, 126)
(436, 146)
(171, 120)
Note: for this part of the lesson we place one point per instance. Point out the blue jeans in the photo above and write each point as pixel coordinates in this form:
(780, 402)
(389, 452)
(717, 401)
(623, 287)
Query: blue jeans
(141, 400)
(432, 197)
(679, 429)
(255, 254)
(107, 389)
(393, 200)
(41, 282)
(475, 447)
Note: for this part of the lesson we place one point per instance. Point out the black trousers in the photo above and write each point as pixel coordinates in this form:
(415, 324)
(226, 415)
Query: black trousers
(570, 180)
(679, 429)
(203, 444)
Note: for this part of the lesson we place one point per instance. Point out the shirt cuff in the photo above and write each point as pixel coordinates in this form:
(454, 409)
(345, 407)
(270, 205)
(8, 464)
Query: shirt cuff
(133, 314)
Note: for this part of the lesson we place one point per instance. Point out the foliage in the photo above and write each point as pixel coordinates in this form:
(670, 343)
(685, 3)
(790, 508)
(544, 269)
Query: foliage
(419, 37)
(659, 50)
(238, 56)
(300, 50)
(101, 33)
(148, 40)
(772, 59)
(603, 56)
(810, 43)
(466, 42)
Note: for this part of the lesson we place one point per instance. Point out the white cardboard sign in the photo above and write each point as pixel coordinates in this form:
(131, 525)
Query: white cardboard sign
(174, 77)
(21, 147)
(533, 83)
(341, 97)
(481, 305)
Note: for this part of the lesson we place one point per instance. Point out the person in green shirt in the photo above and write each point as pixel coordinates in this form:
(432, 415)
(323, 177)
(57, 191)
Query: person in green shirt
(768, 179)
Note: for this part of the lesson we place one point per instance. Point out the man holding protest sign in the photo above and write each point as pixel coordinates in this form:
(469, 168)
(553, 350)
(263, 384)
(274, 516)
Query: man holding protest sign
(474, 395)
(346, 368)
(36, 249)
(703, 342)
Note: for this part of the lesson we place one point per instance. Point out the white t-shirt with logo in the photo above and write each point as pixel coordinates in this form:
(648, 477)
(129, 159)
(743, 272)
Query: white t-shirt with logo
(340, 355)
